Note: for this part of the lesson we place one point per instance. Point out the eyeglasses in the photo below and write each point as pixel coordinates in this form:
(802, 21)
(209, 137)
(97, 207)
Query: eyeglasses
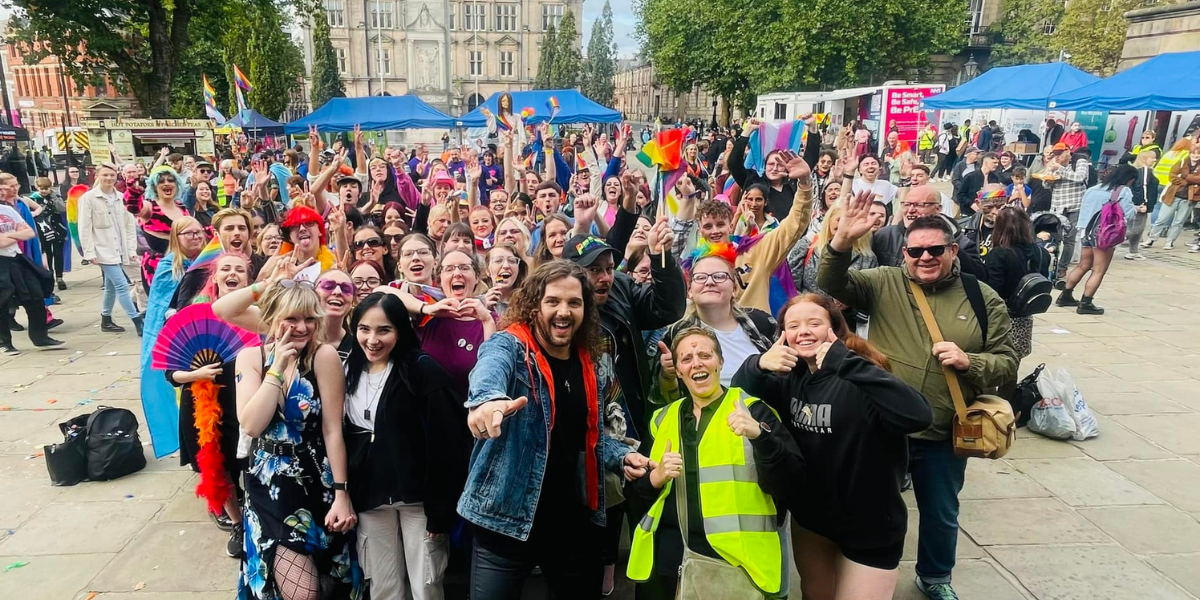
(329, 286)
(463, 268)
(703, 278)
(288, 284)
(191, 234)
(272, 238)
(918, 252)
(372, 282)
(504, 260)
(920, 204)
(372, 242)
(422, 252)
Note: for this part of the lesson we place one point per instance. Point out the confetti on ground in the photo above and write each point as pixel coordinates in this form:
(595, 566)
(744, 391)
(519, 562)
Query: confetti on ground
(111, 354)
(5, 408)
(33, 456)
(139, 585)
(1059, 331)
(16, 565)
(92, 595)
(52, 401)
(128, 496)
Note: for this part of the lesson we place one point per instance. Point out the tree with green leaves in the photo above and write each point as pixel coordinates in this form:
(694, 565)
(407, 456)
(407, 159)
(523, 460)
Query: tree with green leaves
(145, 42)
(257, 44)
(203, 57)
(1093, 33)
(601, 64)
(739, 50)
(546, 59)
(326, 82)
(1025, 32)
(567, 67)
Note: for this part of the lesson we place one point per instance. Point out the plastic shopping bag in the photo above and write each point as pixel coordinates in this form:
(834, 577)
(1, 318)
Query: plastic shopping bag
(1050, 416)
(1085, 422)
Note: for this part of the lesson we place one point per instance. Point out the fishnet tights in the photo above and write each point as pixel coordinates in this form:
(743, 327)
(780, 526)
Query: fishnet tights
(296, 575)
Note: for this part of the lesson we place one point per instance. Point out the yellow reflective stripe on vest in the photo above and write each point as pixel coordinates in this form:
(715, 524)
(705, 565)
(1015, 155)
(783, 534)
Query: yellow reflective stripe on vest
(740, 523)
(721, 473)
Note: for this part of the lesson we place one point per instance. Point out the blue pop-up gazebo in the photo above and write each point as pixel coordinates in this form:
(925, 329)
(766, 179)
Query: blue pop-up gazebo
(574, 108)
(1025, 86)
(1165, 82)
(253, 121)
(376, 113)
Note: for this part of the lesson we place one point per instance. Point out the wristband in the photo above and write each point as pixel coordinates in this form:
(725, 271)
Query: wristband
(254, 291)
(276, 375)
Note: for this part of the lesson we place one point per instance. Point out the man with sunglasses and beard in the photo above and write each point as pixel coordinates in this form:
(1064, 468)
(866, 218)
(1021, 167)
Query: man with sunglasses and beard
(535, 487)
(975, 325)
(924, 201)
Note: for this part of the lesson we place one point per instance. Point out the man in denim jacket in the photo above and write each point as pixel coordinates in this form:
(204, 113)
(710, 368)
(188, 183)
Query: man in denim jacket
(535, 487)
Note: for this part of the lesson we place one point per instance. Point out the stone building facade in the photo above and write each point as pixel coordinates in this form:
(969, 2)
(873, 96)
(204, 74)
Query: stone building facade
(641, 97)
(453, 54)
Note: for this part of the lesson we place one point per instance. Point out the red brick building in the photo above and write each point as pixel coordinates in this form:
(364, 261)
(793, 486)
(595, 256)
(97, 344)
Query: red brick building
(38, 95)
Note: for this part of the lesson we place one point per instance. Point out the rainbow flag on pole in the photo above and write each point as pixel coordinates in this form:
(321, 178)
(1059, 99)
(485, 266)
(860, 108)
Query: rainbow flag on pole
(241, 100)
(210, 101)
(208, 255)
(240, 79)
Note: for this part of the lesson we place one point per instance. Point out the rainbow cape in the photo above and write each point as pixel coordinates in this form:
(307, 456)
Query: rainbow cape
(73, 196)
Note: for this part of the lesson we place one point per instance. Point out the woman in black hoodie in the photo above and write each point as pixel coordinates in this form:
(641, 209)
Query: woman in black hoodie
(851, 418)
(407, 452)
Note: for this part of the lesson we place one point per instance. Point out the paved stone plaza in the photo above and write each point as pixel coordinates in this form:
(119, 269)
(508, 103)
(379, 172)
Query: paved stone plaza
(1114, 517)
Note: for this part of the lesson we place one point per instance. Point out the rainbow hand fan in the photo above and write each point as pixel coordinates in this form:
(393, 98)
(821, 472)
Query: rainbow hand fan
(73, 196)
(195, 337)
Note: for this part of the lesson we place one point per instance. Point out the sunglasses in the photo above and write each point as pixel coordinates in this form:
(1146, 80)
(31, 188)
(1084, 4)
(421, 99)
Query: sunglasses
(372, 242)
(376, 218)
(329, 286)
(918, 252)
(392, 239)
(288, 284)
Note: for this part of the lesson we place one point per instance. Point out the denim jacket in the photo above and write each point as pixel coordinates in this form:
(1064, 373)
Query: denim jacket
(504, 481)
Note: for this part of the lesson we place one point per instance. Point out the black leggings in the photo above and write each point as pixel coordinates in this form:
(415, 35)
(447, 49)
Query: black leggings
(54, 252)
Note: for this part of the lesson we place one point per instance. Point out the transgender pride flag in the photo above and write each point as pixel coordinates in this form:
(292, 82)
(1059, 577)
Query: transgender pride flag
(769, 137)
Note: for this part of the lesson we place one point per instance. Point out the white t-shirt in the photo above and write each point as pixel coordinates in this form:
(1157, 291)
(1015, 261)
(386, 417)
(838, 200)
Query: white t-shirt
(362, 403)
(10, 221)
(735, 346)
(884, 190)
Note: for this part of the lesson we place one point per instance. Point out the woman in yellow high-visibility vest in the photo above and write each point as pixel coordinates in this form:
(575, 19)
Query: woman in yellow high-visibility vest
(734, 456)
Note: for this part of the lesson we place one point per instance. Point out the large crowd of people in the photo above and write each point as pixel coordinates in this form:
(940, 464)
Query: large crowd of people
(500, 358)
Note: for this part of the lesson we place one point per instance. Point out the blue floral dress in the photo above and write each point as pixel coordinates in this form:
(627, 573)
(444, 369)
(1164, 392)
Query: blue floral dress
(287, 498)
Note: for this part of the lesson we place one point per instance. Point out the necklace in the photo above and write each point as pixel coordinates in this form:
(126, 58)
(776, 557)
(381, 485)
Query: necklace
(374, 390)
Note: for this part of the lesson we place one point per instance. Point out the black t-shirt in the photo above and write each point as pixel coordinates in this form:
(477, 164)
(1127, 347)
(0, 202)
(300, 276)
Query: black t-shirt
(561, 487)
(985, 238)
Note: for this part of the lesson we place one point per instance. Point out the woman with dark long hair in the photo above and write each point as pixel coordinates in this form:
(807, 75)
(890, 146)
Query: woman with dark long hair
(1094, 259)
(407, 452)
(851, 419)
(1014, 255)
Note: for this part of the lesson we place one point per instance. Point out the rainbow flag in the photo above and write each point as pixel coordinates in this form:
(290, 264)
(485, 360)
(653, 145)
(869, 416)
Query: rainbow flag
(241, 100)
(210, 102)
(240, 79)
(769, 137)
(208, 255)
(73, 196)
(554, 107)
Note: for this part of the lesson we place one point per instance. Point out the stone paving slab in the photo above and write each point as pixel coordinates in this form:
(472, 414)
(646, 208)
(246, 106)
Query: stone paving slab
(49, 577)
(1184, 570)
(1085, 573)
(1176, 433)
(80, 528)
(1025, 521)
(1176, 481)
(1148, 529)
(163, 556)
(1081, 482)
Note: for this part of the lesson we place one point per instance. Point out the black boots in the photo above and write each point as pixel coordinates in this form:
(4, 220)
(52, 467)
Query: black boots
(1087, 308)
(137, 322)
(108, 326)
(62, 285)
(1066, 298)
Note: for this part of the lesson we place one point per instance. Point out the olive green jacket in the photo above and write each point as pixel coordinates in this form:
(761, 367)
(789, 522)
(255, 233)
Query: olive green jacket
(897, 330)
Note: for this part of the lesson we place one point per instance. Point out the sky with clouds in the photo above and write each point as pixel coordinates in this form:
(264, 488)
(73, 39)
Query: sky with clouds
(624, 23)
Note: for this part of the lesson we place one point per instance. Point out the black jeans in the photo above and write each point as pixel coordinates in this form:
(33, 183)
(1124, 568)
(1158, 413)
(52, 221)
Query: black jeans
(35, 309)
(569, 558)
(54, 256)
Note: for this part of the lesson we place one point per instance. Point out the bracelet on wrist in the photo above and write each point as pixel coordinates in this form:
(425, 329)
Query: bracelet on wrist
(276, 375)
(255, 291)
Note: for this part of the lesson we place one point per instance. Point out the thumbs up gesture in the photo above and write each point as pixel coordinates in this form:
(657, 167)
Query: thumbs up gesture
(823, 349)
(670, 467)
(742, 423)
(781, 358)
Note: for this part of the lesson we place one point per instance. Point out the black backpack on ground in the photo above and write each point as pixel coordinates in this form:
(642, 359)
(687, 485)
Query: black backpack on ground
(113, 446)
(1026, 396)
(101, 446)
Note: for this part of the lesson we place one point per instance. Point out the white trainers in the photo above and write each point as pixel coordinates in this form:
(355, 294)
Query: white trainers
(1134, 257)
(1169, 246)
(1194, 249)
(1146, 244)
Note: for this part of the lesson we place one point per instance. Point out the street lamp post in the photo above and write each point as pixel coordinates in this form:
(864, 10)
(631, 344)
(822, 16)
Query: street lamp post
(4, 84)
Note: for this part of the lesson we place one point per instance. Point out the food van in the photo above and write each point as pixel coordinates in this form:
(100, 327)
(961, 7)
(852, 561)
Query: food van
(142, 139)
